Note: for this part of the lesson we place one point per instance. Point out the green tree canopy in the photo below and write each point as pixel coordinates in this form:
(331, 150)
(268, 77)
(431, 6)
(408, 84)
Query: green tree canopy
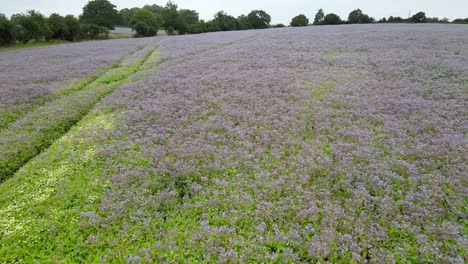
(73, 26)
(419, 17)
(358, 17)
(319, 17)
(126, 15)
(332, 19)
(189, 17)
(259, 19)
(157, 9)
(7, 31)
(100, 12)
(146, 23)
(224, 21)
(243, 23)
(32, 25)
(300, 21)
(58, 27)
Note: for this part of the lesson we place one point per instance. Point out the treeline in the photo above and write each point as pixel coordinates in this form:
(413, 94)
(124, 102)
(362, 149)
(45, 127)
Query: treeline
(33, 25)
(101, 15)
(148, 19)
(358, 17)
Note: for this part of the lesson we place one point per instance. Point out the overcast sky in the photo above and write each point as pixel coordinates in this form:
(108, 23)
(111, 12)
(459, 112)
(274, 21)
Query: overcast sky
(280, 11)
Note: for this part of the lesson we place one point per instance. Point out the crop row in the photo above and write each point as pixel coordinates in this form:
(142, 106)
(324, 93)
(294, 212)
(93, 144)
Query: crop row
(31, 134)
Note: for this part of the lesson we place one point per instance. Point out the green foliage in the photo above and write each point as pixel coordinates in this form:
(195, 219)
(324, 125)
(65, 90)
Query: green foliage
(392, 19)
(278, 26)
(7, 31)
(171, 18)
(358, 17)
(127, 14)
(58, 27)
(212, 26)
(259, 19)
(224, 21)
(460, 21)
(332, 19)
(419, 17)
(146, 23)
(189, 17)
(437, 20)
(73, 26)
(319, 17)
(243, 23)
(170, 31)
(300, 21)
(32, 25)
(101, 13)
(157, 9)
(198, 28)
(92, 31)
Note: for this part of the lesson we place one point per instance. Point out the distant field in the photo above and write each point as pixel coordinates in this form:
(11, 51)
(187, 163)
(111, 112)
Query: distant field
(327, 144)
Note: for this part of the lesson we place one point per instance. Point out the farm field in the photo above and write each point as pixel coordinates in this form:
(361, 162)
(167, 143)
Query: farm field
(339, 144)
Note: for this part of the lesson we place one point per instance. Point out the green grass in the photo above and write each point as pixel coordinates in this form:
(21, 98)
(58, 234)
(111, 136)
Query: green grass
(42, 43)
(33, 44)
(120, 36)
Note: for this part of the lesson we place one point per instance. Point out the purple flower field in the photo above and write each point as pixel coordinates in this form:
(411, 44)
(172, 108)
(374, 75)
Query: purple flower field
(327, 144)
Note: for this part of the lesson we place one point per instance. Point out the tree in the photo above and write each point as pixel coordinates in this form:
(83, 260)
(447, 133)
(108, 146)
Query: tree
(198, 28)
(32, 25)
(460, 21)
(259, 19)
(212, 26)
(58, 27)
(300, 21)
(171, 17)
(319, 17)
(157, 9)
(127, 14)
(419, 17)
(101, 13)
(185, 19)
(189, 17)
(332, 19)
(145, 23)
(224, 21)
(392, 19)
(243, 23)
(358, 17)
(7, 31)
(73, 26)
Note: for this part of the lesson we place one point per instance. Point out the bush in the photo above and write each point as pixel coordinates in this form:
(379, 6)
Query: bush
(7, 31)
(197, 28)
(92, 31)
(32, 25)
(145, 23)
(300, 21)
(170, 31)
(278, 26)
